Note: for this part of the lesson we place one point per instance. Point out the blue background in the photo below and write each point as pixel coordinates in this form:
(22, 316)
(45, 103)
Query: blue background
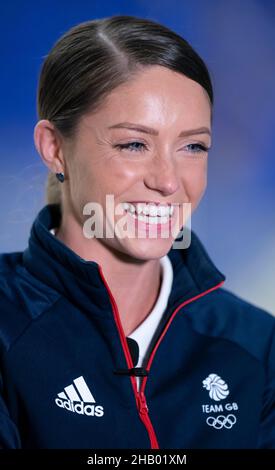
(236, 39)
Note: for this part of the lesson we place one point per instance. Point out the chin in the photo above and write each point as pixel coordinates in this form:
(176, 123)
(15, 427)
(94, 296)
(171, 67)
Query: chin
(148, 248)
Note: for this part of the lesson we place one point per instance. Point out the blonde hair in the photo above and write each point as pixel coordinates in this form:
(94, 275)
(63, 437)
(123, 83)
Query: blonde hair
(53, 190)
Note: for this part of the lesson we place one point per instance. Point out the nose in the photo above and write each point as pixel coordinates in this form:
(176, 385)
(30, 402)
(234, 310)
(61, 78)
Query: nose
(162, 176)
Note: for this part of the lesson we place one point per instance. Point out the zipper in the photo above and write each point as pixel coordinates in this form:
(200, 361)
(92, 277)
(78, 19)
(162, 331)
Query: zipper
(139, 395)
(144, 415)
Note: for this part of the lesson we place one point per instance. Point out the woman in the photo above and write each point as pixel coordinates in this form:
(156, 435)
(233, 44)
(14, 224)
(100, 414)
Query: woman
(127, 341)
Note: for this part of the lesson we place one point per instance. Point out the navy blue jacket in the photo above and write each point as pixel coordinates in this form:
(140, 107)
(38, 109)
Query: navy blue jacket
(67, 376)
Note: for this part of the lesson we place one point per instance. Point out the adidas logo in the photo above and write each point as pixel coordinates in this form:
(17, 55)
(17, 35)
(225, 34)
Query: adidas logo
(78, 399)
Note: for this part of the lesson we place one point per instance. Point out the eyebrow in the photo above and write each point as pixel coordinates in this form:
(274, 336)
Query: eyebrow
(150, 130)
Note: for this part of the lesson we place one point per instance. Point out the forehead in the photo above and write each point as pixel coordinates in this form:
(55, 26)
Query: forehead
(156, 96)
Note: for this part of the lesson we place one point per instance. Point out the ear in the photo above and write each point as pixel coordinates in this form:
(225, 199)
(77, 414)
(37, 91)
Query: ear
(48, 143)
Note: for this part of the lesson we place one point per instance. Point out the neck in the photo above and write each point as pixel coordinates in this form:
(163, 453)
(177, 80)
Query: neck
(126, 277)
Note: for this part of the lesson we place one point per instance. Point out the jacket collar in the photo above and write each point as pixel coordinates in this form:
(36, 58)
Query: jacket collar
(56, 265)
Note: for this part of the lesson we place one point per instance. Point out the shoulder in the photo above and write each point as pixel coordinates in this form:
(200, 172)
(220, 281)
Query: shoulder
(22, 298)
(222, 314)
(235, 307)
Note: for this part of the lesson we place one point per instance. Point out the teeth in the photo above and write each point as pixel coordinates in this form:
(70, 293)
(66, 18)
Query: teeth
(139, 209)
(148, 209)
(164, 220)
(153, 210)
(143, 208)
(164, 210)
(149, 219)
(153, 220)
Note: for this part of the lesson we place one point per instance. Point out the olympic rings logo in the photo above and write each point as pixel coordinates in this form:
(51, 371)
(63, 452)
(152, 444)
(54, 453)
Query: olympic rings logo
(222, 421)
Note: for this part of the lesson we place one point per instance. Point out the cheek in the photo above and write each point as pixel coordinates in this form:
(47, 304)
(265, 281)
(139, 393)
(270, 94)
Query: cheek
(92, 181)
(194, 181)
(117, 176)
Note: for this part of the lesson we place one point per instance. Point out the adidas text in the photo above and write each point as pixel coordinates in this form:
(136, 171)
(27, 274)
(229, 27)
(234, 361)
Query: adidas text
(80, 407)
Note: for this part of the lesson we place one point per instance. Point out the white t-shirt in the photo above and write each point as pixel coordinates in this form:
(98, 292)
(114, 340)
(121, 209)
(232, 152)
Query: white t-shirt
(143, 334)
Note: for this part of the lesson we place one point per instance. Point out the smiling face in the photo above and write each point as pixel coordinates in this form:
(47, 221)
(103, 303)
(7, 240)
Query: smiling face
(147, 143)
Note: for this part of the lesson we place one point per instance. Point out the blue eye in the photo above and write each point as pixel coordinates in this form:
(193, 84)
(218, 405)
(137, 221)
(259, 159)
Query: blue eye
(132, 146)
(139, 146)
(197, 148)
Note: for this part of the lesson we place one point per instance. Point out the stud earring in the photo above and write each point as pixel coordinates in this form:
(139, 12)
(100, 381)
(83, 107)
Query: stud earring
(60, 177)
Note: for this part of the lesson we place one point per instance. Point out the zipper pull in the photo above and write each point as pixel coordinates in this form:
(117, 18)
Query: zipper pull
(142, 405)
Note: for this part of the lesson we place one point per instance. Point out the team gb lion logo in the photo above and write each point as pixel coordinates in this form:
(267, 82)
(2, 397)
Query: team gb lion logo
(217, 387)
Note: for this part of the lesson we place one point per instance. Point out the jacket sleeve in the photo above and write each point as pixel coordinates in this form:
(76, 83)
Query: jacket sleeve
(9, 435)
(267, 427)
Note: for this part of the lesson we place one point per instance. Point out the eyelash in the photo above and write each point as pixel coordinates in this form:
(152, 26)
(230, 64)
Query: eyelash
(120, 147)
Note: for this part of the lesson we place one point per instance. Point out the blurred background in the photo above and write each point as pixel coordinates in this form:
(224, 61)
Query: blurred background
(235, 220)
